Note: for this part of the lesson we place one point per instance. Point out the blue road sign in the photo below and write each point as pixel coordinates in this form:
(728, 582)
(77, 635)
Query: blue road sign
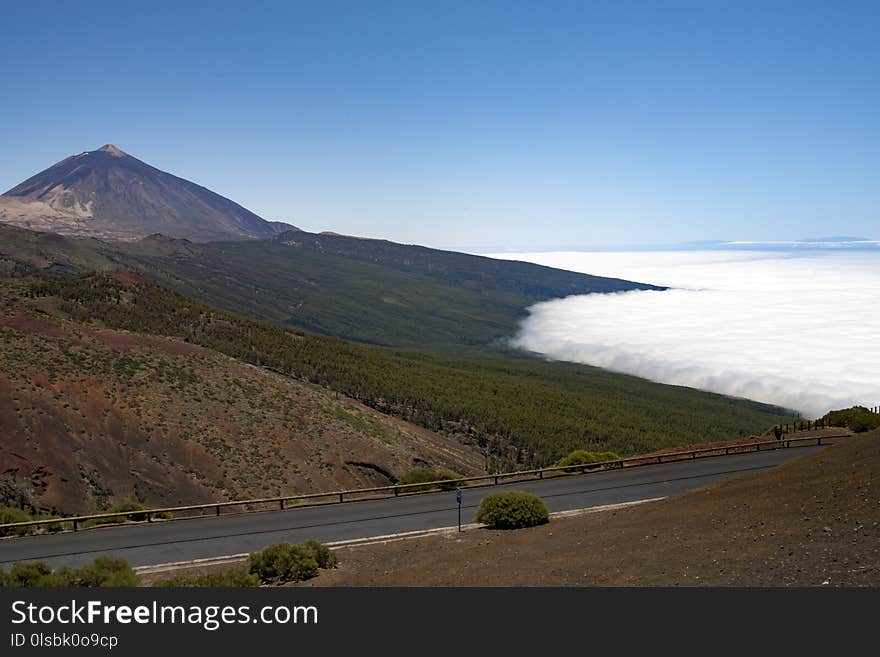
(458, 496)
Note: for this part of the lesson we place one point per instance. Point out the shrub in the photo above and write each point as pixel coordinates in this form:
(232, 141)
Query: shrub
(451, 480)
(512, 509)
(28, 573)
(286, 562)
(323, 555)
(583, 457)
(121, 508)
(234, 577)
(106, 572)
(857, 418)
(55, 526)
(283, 562)
(12, 514)
(103, 572)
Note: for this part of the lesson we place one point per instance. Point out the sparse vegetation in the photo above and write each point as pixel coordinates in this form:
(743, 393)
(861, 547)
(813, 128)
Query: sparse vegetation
(451, 480)
(122, 507)
(512, 509)
(232, 577)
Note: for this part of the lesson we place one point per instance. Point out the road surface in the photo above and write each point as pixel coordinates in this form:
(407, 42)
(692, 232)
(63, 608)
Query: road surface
(167, 542)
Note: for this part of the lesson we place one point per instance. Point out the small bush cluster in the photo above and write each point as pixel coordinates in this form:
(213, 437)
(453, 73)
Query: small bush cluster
(583, 457)
(102, 572)
(512, 509)
(13, 514)
(450, 480)
(857, 418)
(121, 508)
(287, 562)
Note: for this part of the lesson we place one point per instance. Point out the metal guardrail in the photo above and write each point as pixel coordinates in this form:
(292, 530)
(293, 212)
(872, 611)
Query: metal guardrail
(395, 490)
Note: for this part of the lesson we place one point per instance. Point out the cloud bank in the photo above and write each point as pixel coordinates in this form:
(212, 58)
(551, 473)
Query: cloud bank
(800, 331)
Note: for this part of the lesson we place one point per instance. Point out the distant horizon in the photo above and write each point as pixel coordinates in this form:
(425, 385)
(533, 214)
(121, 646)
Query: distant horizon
(496, 125)
(813, 242)
(804, 244)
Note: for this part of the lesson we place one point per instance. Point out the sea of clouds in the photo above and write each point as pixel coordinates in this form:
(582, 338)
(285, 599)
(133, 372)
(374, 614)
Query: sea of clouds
(796, 329)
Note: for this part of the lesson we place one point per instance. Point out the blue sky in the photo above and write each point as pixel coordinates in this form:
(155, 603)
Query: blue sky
(471, 125)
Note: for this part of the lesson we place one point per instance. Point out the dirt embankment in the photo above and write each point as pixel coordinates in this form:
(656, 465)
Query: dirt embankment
(813, 521)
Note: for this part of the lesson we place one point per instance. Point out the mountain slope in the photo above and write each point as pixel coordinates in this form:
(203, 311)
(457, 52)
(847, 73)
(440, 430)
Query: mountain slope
(97, 416)
(521, 411)
(366, 290)
(109, 194)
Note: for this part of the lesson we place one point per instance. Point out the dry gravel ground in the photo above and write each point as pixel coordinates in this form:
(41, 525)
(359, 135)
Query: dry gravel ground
(811, 522)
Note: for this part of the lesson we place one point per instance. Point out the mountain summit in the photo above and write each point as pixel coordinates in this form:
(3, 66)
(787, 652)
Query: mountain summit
(109, 194)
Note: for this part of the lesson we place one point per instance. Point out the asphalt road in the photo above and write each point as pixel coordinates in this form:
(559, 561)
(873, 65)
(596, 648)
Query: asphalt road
(165, 542)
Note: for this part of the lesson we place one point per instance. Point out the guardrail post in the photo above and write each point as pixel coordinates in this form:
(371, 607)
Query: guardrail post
(658, 459)
(281, 504)
(540, 474)
(396, 491)
(340, 498)
(149, 517)
(218, 509)
(819, 440)
(75, 526)
(496, 480)
(693, 455)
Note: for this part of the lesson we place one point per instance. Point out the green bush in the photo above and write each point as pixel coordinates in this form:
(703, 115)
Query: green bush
(283, 562)
(102, 572)
(451, 480)
(323, 555)
(12, 514)
(857, 418)
(27, 573)
(234, 577)
(583, 457)
(106, 572)
(512, 509)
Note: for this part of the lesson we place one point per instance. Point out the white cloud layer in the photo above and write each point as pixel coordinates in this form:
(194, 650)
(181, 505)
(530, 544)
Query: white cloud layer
(793, 329)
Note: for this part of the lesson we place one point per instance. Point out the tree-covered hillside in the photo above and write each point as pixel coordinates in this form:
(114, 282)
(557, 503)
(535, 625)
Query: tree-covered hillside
(522, 411)
(371, 291)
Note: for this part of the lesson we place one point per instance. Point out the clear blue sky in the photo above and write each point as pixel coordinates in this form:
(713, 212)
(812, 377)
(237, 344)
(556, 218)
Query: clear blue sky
(472, 125)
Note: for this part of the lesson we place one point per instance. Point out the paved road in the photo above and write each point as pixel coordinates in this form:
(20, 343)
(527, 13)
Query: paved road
(182, 540)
